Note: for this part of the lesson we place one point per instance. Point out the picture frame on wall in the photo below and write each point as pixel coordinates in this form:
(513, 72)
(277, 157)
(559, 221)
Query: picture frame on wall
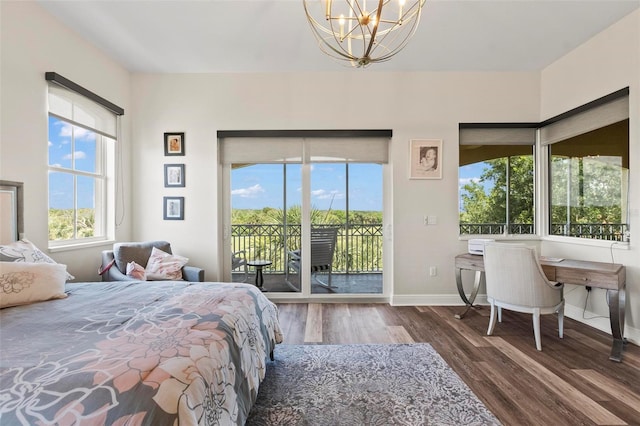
(425, 159)
(173, 144)
(173, 208)
(174, 176)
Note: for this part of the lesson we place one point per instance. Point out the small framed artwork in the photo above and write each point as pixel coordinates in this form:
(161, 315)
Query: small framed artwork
(173, 208)
(174, 144)
(173, 175)
(425, 159)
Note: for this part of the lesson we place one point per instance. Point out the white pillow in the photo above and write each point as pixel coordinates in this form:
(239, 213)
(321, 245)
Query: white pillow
(136, 271)
(164, 266)
(26, 282)
(25, 251)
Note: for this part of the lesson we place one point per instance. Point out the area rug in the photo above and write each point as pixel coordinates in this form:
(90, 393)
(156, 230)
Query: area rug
(394, 384)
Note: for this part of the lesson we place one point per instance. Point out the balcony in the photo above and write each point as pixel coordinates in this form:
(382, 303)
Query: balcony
(357, 264)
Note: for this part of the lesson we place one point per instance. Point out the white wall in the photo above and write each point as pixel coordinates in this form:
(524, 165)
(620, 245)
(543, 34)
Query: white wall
(33, 42)
(413, 105)
(608, 62)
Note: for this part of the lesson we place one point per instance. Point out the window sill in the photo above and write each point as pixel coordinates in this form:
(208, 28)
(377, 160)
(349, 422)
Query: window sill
(587, 242)
(500, 237)
(80, 245)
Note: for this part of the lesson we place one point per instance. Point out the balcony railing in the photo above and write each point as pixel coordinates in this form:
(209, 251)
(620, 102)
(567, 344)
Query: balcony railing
(598, 231)
(358, 246)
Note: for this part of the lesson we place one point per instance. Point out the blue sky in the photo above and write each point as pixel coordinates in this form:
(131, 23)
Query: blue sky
(61, 155)
(258, 186)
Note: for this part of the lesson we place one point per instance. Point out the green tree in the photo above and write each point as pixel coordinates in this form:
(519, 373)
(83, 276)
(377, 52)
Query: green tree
(479, 206)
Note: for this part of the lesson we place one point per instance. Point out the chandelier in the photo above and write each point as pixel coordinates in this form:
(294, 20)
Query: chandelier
(361, 33)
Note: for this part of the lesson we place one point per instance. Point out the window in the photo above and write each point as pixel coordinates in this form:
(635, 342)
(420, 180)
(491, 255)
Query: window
(589, 171)
(81, 147)
(496, 179)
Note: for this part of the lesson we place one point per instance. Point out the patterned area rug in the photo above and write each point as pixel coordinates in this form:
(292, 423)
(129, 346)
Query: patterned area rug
(395, 384)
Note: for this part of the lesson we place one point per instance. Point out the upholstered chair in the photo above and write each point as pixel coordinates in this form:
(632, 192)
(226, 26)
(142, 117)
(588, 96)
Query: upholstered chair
(515, 281)
(114, 262)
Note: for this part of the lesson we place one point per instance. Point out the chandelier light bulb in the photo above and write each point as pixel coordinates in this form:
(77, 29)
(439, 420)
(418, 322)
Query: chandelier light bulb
(372, 34)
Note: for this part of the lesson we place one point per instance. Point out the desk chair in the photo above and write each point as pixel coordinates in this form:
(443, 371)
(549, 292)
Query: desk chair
(515, 281)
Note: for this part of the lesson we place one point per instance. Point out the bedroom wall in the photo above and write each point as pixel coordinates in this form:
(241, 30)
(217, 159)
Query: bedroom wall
(33, 42)
(413, 105)
(608, 62)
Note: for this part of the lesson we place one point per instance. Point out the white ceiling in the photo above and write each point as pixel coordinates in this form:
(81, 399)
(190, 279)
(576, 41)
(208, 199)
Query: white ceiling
(210, 36)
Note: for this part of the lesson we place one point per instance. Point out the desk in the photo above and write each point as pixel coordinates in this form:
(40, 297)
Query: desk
(609, 276)
(259, 264)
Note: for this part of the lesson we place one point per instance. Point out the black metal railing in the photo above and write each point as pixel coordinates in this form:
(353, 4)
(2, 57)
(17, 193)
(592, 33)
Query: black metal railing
(598, 231)
(358, 246)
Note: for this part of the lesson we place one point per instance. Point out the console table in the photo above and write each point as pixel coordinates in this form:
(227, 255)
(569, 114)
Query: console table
(609, 276)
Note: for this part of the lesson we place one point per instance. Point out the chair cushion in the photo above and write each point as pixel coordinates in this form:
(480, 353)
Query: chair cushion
(165, 266)
(136, 271)
(124, 253)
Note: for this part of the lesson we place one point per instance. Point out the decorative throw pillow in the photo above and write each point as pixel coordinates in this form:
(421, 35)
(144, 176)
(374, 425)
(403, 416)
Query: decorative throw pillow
(165, 266)
(136, 271)
(25, 251)
(22, 283)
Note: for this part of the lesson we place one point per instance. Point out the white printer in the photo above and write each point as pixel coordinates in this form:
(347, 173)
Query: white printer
(476, 245)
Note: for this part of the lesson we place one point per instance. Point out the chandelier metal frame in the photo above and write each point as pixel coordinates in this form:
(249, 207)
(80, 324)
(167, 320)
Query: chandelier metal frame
(346, 30)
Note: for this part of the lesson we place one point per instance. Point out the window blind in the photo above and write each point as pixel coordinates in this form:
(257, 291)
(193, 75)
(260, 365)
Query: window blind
(588, 120)
(343, 148)
(79, 110)
(497, 136)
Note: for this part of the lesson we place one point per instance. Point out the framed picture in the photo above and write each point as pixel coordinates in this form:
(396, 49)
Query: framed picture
(425, 159)
(174, 144)
(173, 175)
(173, 208)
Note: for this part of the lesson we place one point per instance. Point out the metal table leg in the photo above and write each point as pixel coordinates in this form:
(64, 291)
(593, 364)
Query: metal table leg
(616, 300)
(474, 292)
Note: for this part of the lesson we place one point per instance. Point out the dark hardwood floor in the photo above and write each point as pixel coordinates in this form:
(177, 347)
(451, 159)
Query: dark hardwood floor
(571, 382)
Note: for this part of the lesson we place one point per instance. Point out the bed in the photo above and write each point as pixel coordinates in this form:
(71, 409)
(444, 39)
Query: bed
(135, 352)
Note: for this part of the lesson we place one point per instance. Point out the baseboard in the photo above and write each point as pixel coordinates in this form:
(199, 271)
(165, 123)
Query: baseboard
(432, 300)
(571, 311)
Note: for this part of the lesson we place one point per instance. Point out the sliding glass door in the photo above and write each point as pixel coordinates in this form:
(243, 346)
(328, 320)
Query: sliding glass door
(314, 216)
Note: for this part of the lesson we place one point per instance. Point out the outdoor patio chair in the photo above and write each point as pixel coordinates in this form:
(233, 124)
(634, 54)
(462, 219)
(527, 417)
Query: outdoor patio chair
(323, 245)
(239, 259)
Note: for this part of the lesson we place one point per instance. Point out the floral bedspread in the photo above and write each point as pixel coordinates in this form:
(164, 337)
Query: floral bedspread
(131, 353)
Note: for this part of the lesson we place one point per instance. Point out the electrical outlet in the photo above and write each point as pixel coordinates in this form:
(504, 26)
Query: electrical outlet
(432, 220)
(626, 237)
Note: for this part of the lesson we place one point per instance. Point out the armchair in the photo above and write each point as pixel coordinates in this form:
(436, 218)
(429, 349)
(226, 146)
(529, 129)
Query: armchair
(114, 262)
(515, 281)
